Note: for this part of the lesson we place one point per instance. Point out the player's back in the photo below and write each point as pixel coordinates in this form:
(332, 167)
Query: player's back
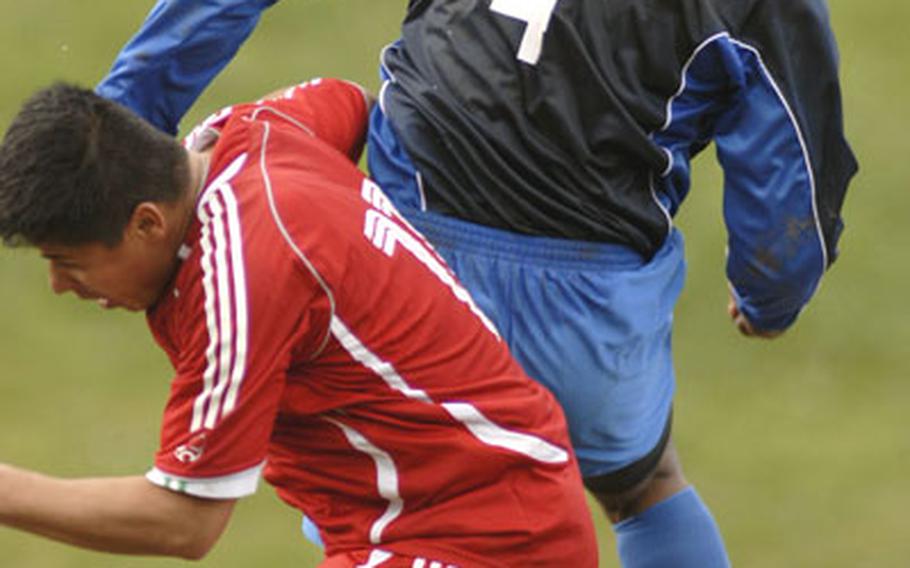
(403, 422)
(541, 117)
(417, 370)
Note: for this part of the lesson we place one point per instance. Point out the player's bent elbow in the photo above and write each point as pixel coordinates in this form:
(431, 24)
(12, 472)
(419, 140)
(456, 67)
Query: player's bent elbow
(196, 551)
(191, 544)
(194, 526)
(206, 534)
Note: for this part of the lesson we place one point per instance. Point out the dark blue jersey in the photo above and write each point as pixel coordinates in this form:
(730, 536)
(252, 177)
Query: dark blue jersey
(581, 138)
(578, 118)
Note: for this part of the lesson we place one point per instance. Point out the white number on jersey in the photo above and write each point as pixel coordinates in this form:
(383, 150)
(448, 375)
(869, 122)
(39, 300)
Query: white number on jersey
(384, 226)
(536, 14)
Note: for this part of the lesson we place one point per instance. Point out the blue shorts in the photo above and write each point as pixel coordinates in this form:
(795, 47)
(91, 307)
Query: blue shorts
(591, 321)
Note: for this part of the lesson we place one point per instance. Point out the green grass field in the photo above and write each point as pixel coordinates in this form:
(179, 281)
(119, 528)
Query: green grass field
(798, 445)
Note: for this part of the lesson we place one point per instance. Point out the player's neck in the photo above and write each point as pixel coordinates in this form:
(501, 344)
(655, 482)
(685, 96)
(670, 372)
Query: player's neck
(199, 171)
(198, 164)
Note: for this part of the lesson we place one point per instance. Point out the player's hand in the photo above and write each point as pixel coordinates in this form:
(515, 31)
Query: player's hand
(743, 324)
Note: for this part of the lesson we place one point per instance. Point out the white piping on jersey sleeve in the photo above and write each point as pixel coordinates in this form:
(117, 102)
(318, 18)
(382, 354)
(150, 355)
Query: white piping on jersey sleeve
(233, 486)
(285, 116)
(807, 160)
(225, 302)
(668, 120)
(279, 223)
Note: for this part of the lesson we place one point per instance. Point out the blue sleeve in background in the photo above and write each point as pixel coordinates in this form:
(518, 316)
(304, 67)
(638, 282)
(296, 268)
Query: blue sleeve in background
(778, 244)
(776, 250)
(180, 48)
(786, 162)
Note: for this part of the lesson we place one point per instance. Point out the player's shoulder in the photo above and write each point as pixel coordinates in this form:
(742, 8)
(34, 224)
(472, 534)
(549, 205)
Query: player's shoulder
(207, 132)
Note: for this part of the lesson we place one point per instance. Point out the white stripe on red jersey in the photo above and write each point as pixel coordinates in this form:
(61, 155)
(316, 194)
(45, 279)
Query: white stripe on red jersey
(224, 282)
(479, 425)
(386, 478)
(311, 327)
(377, 557)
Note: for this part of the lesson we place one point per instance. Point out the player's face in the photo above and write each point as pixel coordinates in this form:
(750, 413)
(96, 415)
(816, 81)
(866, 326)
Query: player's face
(130, 275)
(115, 277)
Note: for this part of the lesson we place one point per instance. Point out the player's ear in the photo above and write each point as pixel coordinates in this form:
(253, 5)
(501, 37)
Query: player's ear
(148, 222)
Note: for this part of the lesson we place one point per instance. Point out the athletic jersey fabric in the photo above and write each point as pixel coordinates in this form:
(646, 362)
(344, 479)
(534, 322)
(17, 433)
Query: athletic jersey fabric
(182, 45)
(578, 118)
(318, 338)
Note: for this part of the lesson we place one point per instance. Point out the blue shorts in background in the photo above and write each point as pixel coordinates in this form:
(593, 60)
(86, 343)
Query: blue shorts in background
(591, 321)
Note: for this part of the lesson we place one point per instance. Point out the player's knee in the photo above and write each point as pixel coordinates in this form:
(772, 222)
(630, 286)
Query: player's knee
(619, 506)
(623, 496)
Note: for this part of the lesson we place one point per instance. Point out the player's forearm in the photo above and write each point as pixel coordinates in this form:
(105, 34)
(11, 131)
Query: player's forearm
(126, 515)
(786, 162)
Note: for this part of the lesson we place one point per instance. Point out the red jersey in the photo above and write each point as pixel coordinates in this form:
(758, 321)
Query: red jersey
(318, 338)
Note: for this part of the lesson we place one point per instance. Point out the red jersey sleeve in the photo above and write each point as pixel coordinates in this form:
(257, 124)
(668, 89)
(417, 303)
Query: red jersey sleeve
(238, 313)
(335, 111)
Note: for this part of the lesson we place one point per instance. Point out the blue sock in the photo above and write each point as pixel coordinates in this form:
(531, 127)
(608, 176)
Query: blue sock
(678, 532)
(311, 532)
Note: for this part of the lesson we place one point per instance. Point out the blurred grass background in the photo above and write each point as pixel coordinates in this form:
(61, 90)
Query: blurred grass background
(799, 445)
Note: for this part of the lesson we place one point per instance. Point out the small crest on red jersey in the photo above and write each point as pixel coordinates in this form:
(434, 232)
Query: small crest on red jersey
(192, 450)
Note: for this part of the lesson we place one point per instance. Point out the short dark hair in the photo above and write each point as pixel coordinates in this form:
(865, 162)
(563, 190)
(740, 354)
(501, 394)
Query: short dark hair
(74, 166)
